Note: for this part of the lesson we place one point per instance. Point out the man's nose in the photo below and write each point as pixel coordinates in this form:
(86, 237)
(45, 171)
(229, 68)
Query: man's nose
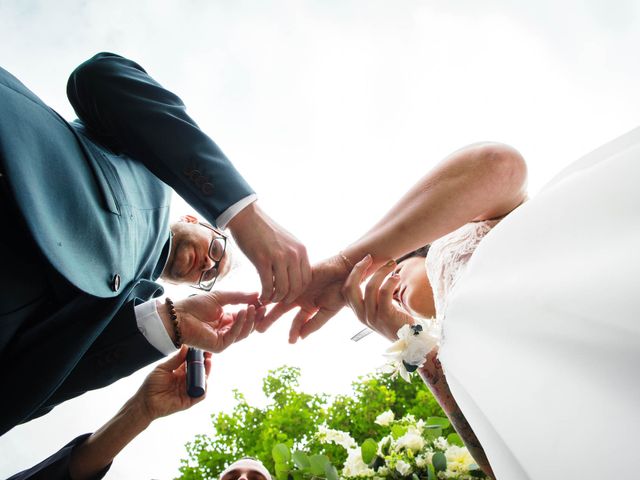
(207, 264)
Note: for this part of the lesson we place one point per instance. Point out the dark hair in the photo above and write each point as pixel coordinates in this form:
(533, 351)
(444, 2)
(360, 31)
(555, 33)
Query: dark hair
(420, 252)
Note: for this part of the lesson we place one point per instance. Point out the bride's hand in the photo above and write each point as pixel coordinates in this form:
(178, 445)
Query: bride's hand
(376, 310)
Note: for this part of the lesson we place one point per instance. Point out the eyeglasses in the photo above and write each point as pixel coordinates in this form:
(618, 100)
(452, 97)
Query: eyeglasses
(217, 248)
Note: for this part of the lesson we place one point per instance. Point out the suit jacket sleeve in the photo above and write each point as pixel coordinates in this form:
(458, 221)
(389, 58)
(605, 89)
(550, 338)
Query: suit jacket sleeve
(129, 112)
(56, 467)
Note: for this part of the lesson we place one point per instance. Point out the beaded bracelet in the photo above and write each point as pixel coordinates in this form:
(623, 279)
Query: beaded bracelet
(174, 320)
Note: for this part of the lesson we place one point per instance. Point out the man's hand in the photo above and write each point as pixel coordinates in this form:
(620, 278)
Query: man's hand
(319, 302)
(163, 391)
(281, 260)
(205, 325)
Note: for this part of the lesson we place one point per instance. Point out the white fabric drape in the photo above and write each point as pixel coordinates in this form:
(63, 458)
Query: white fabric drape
(542, 333)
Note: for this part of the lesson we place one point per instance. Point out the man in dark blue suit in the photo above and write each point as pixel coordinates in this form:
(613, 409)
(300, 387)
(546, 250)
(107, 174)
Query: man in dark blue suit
(84, 207)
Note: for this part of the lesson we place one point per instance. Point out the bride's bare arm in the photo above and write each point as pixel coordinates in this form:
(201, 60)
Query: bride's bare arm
(432, 374)
(478, 182)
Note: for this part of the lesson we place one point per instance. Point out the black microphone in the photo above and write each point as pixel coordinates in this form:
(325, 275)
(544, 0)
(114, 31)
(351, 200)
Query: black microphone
(196, 378)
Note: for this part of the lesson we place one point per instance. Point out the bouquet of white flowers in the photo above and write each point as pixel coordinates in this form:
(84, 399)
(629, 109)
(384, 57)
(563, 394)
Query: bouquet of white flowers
(413, 450)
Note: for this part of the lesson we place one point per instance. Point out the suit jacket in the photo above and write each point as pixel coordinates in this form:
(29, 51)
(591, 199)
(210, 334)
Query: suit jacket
(94, 195)
(56, 467)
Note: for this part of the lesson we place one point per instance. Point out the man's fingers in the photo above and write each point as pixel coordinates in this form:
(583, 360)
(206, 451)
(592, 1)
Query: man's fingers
(275, 313)
(295, 283)
(281, 279)
(372, 289)
(230, 335)
(315, 323)
(266, 280)
(235, 298)
(174, 362)
(248, 324)
(260, 312)
(296, 325)
(305, 270)
(207, 363)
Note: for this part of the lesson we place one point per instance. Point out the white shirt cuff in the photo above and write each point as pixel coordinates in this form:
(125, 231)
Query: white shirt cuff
(151, 326)
(226, 216)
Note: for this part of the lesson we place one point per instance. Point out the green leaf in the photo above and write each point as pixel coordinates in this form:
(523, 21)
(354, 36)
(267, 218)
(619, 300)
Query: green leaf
(319, 464)
(281, 454)
(440, 421)
(331, 472)
(439, 462)
(414, 477)
(431, 473)
(282, 472)
(398, 430)
(301, 460)
(369, 450)
(431, 432)
(454, 439)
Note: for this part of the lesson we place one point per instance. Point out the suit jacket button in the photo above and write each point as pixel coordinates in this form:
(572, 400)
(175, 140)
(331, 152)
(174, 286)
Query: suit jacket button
(207, 188)
(115, 283)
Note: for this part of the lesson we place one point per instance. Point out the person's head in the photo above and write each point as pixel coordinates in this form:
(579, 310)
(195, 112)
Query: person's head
(198, 253)
(414, 292)
(246, 469)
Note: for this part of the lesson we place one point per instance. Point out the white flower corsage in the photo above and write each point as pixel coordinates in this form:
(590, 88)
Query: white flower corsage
(414, 342)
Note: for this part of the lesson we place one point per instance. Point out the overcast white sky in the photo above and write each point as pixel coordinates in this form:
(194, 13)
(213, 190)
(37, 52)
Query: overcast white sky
(330, 109)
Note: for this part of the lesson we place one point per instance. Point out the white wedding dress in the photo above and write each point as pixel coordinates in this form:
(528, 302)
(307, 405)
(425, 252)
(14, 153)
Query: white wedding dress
(541, 334)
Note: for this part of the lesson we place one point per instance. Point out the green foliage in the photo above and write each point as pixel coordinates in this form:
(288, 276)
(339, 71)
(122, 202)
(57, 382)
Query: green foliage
(454, 439)
(300, 466)
(369, 450)
(439, 462)
(292, 417)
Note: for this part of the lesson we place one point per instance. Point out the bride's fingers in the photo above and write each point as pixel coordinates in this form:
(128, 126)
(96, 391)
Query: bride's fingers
(296, 325)
(275, 313)
(385, 297)
(315, 323)
(372, 290)
(351, 288)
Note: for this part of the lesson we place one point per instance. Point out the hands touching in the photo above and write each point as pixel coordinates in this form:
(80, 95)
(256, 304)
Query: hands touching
(376, 310)
(319, 302)
(333, 286)
(281, 260)
(204, 324)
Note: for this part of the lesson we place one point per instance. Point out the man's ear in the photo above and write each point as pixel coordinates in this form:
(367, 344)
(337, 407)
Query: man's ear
(188, 219)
